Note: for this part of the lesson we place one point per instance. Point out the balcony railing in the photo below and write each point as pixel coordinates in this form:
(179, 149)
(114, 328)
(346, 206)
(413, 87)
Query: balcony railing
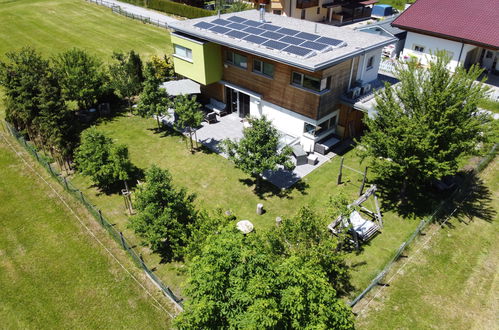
(302, 4)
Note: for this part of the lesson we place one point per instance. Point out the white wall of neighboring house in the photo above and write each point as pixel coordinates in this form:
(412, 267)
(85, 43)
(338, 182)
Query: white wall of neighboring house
(364, 73)
(431, 45)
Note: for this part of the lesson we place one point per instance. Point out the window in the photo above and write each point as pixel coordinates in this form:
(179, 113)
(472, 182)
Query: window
(489, 54)
(418, 48)
(312, 83)
(263, 68)
(277, 12)
(303, 12)
(370, 63)
(183, 52)
(318, 10)
(323, 127)
(236, 59)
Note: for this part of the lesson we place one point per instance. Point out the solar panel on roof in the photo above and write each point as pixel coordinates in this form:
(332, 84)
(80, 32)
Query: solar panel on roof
(292, 40)
(203, 25)
(307, 36)
(255, 39)
(236, 26)
(314, 45)
(219, 29)
(289, 32)
(272, 35)
(253, 23)
(220, 21)
(329, 41)
(254, 30)
(237, 34)
(270, 27)
(236, 19)
(297, 50)
(275, 44)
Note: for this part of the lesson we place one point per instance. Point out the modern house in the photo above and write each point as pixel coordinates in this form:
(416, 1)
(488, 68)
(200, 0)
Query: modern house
(467, 30)
(337, 12)
(294, 72)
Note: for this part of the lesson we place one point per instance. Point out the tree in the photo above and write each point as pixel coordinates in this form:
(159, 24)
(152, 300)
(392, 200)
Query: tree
(245, 281)
(81, 77)
(165, 215)
(163, 67)
(21, 77)
(105, 162)
(126, 75)
(424, 125)
(188, 114)
(153, 100)
(258, 150)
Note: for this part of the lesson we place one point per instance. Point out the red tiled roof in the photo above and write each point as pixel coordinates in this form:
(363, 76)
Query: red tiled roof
(470, 21)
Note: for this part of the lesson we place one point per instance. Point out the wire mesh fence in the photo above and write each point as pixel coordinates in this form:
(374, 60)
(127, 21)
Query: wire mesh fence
(119, 10)
(460, 191)
(96, 213)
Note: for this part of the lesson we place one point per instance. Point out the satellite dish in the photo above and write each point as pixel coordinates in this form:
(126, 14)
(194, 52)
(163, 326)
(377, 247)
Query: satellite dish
(245, 226)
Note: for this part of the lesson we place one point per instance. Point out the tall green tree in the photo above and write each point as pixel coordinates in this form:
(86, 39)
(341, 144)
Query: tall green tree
(424, 125)
(188, 114)
(163, 67)
(82, 77)
(153, 101)
(102, 160)
(258, 151)
(264, 281)
(20, 76)
(165, 214)
(126, 75)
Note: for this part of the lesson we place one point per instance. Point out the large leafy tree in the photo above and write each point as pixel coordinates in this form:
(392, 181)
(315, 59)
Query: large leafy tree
(165, 214)
(163, 67)
(258, 150)
(126, 75)
(279, 280)
(153, 101)
(424, 125)
(20, 76)
(102, 160)
(188, 114)
(82, 77)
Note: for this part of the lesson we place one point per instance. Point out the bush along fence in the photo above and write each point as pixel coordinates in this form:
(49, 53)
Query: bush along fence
(97, 214)
(461, 191)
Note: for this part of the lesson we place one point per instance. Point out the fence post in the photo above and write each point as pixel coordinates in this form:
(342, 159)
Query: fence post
(363, 182)
(50, 168)
(101, 218)
(81, 196)
(65, 182)
(122, 240)
(142, 260)
(341, 169)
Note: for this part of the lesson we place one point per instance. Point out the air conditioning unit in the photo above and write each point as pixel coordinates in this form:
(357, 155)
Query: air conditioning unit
(354, 92)
(366, 89)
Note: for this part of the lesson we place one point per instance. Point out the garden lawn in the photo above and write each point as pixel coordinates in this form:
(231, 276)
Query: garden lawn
(53, 274)
(218, 184)
(453, 283)
(53, 26)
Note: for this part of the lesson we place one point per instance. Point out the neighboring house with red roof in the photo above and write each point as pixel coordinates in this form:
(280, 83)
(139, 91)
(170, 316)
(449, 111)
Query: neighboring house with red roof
(467, 29)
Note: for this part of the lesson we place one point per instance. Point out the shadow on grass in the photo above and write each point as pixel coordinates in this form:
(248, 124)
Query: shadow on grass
(267, 189)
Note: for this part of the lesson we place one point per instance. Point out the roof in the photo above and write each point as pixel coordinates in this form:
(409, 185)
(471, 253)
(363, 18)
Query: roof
(351, 43)
(386, 25)
(474, 22)
(179, 87)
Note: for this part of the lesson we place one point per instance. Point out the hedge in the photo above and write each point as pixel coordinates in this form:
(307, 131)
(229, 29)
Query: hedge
(178, 9)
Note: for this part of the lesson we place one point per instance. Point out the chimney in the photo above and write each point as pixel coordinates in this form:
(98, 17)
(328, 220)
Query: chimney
(262, 14)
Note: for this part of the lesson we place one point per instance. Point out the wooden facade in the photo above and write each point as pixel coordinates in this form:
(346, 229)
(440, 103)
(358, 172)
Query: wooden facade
(350, 122)
(279, 90)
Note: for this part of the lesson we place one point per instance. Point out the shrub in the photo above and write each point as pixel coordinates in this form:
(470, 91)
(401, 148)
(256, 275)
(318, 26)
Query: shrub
(178, 9)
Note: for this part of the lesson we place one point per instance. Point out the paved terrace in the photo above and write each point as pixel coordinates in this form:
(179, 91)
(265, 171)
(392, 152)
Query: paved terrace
(231, 127)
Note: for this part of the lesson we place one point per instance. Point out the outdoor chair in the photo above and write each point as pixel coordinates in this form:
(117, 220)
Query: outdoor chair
(326, 144)
(210, 118)
(300, 155)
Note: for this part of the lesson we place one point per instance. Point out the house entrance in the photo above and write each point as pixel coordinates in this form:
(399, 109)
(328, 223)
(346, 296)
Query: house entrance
(238, 102)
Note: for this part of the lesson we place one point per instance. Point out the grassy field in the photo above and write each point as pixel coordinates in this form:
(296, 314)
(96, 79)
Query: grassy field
(53, 26)
(490, 105)
(53, 275)
(453, 283)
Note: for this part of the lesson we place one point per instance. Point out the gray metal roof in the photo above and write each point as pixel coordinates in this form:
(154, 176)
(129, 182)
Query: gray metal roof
(179, 87)
(386, 25)
(356, 42)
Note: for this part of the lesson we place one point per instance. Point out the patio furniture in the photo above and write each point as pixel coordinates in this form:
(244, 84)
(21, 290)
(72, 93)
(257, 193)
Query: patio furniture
(312, 159)
(300, 155)
(217, 107)
(210, 118)
(324, 146)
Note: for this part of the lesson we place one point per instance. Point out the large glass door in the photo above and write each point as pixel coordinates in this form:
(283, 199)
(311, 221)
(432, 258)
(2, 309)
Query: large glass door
(244, 105)
(237, 102)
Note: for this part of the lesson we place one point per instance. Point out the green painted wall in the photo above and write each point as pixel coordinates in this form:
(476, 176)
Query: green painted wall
(206, 64)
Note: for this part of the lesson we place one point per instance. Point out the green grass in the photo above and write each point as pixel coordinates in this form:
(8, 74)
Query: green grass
(398, 4)
(490, 105)
(53, 275)
(53, 26)
(218, 184)
(453, 283)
